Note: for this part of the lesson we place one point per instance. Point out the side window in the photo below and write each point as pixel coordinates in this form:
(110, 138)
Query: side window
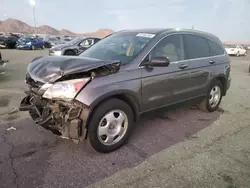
(97, 40)
(215, 49)
(170, 47)
(87, 42)
(196, 46)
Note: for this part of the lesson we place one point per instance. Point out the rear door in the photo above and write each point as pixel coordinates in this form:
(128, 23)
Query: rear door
(198, 52)
(162, 86)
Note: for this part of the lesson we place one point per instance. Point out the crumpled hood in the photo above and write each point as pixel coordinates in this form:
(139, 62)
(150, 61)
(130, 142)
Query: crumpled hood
(51, 68)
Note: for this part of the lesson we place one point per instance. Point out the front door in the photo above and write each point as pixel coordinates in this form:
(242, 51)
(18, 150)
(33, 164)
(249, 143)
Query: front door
(162, 86)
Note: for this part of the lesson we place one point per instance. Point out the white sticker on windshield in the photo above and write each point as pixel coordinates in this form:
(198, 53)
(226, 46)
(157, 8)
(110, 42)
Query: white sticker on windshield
(147, 35)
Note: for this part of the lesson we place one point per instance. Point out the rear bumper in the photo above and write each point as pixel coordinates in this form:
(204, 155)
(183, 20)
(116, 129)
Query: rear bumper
(23, 47)
(231, 53)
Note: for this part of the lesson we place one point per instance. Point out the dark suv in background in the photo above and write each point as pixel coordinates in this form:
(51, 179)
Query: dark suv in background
(101, 93)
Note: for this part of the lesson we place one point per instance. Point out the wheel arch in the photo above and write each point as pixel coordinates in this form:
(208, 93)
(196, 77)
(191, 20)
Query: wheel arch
(70, 49)
(222, 78)
(126, 96)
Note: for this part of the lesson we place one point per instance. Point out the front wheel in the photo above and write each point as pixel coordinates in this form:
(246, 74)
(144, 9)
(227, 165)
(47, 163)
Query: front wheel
(110, 126)
(213, 97)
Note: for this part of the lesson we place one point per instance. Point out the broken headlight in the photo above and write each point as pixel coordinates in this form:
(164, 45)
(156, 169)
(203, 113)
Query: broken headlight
(65, 90)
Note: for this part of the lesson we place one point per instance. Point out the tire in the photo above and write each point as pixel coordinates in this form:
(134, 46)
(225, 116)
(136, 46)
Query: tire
(205, 105)
(70, 53)
(113, 107)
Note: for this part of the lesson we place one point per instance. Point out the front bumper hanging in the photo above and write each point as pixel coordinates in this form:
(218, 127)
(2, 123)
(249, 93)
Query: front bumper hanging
(67, 119)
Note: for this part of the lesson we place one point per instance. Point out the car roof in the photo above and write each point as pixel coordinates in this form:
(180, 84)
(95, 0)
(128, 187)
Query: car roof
(146, 30)
(172, 30)
(158, 31)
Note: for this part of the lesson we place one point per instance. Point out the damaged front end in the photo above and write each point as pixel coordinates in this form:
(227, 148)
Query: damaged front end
(64, 118)
(52, 103)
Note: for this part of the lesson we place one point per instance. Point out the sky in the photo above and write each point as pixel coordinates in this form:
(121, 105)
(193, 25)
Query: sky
(228, 19)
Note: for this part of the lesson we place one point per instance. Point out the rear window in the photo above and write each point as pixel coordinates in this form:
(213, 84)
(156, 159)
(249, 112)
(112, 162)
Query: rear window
(215, 49)
(196, 46)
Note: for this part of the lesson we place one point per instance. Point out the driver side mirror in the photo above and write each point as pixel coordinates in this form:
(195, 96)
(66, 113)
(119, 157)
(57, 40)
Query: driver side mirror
(159, 62)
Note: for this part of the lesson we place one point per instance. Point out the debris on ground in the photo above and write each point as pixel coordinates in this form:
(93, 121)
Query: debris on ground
(13, 111)
(11, 128)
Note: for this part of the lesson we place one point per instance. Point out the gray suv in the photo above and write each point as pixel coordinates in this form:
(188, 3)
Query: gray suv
(101, 93)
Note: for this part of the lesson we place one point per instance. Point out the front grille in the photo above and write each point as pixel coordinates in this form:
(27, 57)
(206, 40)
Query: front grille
(30, 81)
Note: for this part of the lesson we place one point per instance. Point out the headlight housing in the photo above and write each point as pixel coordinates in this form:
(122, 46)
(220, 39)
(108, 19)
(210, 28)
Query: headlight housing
(59, 52)
(28, 43)
(65, 90)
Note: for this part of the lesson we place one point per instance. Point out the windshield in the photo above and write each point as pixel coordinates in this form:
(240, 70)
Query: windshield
(74, 41)
(123, 46)
(52, 39)
(25, 39)
(230, 46)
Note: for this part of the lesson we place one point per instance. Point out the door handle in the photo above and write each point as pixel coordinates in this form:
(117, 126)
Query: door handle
(183, 66)
(211, 61)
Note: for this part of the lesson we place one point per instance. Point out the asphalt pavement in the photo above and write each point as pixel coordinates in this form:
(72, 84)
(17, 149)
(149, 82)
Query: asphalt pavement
(182, 148)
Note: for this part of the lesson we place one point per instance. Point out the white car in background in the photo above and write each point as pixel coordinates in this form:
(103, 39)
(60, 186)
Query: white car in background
(236, 50)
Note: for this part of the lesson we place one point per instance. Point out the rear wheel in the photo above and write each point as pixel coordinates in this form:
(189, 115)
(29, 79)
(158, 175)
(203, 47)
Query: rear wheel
(110, 126)
(213, 97)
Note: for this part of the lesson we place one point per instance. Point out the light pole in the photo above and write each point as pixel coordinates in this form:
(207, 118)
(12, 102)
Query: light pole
(5, 30)
(33, 4)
